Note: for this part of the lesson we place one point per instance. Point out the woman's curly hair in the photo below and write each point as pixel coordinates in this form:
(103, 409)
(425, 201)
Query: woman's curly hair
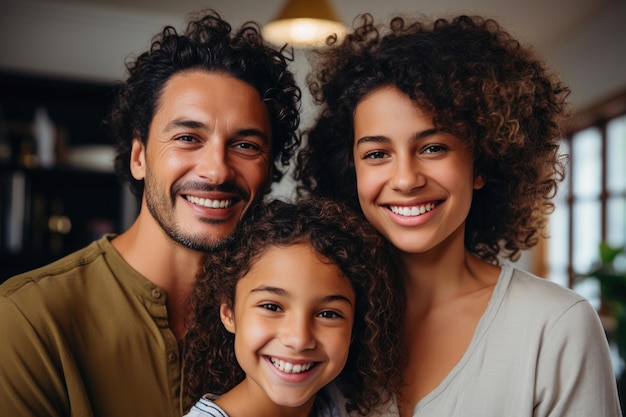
(480, 85)
(208, 44)
(376, 356)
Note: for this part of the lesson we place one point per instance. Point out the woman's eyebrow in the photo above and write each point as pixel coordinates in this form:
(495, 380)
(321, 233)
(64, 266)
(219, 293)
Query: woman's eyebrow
(384, 139)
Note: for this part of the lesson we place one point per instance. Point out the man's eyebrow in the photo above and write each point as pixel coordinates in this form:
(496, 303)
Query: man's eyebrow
(384, 139)
(186, 123)
(194, 124)
(253, 132)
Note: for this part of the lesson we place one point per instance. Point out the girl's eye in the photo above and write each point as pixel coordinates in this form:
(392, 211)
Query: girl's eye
(270, 306)
(327, 314)
(374, 155)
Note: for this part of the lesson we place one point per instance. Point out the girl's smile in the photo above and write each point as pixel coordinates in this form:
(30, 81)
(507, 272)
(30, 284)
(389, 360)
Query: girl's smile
(292, 319)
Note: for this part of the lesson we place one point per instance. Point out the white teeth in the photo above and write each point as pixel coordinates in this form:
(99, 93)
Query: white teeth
(209, 203)
(289, 367)
(412, 211)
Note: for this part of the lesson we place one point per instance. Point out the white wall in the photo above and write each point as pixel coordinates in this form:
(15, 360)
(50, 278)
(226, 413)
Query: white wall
(91, 43)
(592, 60)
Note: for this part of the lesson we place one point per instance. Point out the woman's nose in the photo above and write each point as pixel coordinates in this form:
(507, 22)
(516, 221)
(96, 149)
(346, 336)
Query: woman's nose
(406, 175)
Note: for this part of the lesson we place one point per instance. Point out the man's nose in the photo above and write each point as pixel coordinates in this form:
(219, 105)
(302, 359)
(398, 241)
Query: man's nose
(214, 164)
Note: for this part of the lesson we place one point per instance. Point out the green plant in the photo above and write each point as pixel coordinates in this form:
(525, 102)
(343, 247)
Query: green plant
(612, 279)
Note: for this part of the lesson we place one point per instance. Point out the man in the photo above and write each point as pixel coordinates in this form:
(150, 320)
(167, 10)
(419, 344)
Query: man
(203, 124)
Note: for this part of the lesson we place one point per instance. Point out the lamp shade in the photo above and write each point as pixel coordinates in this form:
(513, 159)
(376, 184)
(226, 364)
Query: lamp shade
(304, 24)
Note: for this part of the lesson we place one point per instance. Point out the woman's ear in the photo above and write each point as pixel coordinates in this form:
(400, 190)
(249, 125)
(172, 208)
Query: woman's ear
(138, 160)
(479, 182)
(228, 318)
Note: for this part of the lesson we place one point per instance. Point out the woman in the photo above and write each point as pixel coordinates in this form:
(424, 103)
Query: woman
(445, 135)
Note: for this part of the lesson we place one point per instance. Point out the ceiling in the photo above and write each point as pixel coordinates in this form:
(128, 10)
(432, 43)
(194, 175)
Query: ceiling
(91, 39)
(543, 23)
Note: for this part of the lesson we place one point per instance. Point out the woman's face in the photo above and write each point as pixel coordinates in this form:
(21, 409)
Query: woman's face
(414, 183)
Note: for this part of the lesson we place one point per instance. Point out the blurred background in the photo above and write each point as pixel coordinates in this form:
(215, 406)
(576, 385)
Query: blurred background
(59, 60)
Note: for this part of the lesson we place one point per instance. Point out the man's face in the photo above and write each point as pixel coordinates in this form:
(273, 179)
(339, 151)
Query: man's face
(207, 158)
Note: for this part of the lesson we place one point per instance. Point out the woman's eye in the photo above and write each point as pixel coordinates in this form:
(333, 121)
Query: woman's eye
(270, 306)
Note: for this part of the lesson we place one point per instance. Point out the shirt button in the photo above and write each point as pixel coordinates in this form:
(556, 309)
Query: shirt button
(156, 293)
(172, 357)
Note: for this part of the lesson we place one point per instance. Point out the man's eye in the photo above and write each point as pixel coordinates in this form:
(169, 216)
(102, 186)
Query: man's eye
(186, 138)
(247, 145)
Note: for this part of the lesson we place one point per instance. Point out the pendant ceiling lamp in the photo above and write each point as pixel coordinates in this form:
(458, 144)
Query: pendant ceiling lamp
(304, 24)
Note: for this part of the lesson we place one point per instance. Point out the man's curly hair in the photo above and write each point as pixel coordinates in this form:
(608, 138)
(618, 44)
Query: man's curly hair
(207, 44)
(480, 85)
(376, 357)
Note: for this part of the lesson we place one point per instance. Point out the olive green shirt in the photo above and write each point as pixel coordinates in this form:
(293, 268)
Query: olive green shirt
(87, 336)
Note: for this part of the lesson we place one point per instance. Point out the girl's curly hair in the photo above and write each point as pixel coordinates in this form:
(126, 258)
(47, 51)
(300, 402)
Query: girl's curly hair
(208, 44)
(376, 356)
(480, 85)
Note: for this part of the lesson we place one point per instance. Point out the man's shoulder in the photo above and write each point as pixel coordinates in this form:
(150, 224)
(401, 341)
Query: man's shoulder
(71, 265)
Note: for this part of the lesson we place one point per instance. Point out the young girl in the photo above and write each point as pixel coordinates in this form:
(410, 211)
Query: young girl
(302, 296)
(445, 135)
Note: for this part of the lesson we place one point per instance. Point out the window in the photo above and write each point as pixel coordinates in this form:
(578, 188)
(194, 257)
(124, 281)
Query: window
(591, 202)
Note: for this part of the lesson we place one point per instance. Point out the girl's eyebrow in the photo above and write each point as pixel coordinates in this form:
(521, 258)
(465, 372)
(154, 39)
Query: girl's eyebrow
(384, 139)
(337, 298)
(283, 292)
(273, 290)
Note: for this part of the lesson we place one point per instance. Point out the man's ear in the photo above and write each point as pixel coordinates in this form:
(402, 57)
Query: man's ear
(228, 318)
(138, 160)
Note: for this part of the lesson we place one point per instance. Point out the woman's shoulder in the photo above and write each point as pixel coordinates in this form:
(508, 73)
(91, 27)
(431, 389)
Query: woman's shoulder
(540, 296)
(524, 281)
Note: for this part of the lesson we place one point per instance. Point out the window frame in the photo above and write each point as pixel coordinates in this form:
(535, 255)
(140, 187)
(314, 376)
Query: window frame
(598, 116)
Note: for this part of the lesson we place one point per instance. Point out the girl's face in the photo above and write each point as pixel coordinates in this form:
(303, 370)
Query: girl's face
(292, 320)
(414, 183)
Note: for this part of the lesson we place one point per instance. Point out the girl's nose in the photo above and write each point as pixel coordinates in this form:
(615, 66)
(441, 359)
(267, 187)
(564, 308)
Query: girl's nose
(297, 333)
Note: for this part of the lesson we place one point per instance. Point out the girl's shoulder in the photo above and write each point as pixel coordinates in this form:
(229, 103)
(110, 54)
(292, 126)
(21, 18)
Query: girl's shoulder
(205, 407)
